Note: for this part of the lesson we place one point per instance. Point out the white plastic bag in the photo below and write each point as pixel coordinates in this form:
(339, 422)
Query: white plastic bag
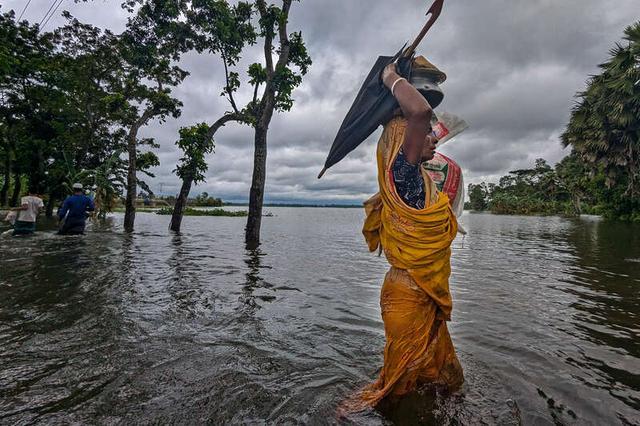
(11, 217)
(446, 126)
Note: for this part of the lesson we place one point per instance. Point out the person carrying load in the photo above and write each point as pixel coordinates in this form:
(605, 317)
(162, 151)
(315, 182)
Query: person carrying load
(410, 219)
(413, 223)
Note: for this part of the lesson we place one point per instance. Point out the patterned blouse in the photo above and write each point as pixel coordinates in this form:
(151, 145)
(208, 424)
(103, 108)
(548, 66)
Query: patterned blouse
(409, 182)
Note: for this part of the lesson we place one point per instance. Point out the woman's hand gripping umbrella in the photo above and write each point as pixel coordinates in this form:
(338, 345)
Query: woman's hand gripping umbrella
(374, 105)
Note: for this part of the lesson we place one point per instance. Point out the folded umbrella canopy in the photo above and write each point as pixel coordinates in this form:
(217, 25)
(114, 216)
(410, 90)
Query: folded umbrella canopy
(374, 105)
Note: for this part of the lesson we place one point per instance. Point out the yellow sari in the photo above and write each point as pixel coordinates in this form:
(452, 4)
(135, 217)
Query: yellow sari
(415, 298)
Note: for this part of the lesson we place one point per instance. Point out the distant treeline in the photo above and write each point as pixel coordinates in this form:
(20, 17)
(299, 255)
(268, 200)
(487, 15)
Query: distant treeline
(336, 206)
(202, 200)
(602, 173)
(568, 189)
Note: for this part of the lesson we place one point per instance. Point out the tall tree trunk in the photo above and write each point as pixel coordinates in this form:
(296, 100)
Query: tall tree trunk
(267, 105)
(4, 192)
(256, 194)
(132, 180)
(16, 189)
(178, 208)
(132, 187)
(50, 204)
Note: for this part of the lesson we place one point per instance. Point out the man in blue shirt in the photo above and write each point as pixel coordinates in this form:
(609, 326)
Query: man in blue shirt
(74, 212)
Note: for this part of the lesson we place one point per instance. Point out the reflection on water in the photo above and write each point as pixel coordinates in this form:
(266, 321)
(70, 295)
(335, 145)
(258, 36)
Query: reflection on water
(192, 328)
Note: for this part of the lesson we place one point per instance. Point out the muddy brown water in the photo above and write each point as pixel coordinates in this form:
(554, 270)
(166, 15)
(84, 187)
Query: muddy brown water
(164, 329)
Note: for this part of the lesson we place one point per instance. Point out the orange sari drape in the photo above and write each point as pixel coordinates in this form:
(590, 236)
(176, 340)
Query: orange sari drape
(415, 298)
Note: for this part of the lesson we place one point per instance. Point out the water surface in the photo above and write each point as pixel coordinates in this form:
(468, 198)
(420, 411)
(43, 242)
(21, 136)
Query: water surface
(159, 328)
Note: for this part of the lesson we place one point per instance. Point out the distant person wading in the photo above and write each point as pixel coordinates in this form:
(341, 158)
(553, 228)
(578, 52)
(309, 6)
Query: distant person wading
(26, 214)
(74, 211)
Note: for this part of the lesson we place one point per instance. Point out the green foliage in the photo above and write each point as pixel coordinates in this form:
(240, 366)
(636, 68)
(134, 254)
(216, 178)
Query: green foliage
(68, 98)
(194, 212)
(257, 74)
(289, 76)
(195, 144)
(478, 197)
(602, 173)
(204, 200)
(109, 181)
(572, 188)
(528, 191)
(604, 129)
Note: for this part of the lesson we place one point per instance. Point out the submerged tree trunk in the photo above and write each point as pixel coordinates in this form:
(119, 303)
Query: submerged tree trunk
(132, 187)
(266, 108)
(256, 194)
(16, 189)
(178, 208)
(50, 204)
(4, 192)
(132, 179)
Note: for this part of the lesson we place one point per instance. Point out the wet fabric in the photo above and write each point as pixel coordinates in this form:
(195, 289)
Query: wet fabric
(415, 298)
(33, 204)
(75, 207)
(418, 347)
(72, 226)
(21, 227)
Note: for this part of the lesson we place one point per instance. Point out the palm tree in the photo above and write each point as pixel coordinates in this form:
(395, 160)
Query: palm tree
(604, 129)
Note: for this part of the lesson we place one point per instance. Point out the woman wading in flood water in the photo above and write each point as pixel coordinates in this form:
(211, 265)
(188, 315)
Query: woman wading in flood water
(413, 223)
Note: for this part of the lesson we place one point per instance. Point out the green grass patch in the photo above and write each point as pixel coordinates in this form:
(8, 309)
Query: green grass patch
(138, 210)
(196, 212)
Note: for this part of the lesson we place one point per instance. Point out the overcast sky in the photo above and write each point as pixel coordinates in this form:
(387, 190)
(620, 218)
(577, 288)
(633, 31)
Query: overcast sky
(513, 69)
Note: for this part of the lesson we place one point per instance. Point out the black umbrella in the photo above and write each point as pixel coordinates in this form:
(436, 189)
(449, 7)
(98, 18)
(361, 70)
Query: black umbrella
(374, 104)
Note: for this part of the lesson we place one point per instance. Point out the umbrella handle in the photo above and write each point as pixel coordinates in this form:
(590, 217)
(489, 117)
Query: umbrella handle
(434, 10)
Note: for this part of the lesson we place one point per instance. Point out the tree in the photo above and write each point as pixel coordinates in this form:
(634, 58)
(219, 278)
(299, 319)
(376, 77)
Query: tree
(604, 129)
(144, 93)
(109, 182)
(478, 196)
(88, 63)
(27, 96)
(528, 191)
(195, 143)
(272, 82)
(576, 180)
(279, 81)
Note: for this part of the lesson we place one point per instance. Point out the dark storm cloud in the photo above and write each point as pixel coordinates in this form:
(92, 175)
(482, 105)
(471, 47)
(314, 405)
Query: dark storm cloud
(513, 68)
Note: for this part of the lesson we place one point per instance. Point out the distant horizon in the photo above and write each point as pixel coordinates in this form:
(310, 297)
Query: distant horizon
(296, 201)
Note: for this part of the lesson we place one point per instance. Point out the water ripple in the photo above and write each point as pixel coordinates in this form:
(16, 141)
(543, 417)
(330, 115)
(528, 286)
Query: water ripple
(158, 328)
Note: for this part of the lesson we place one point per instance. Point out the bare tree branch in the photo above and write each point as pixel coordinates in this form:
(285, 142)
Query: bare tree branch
(255, 92)
(268, 39)
(220, 122)
(227, 87)
(133, 131)
(284, 37)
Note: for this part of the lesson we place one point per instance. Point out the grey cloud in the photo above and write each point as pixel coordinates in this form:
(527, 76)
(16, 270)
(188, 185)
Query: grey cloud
(513, 68)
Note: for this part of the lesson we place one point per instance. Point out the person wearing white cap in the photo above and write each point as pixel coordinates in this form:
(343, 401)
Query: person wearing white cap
(74, 211)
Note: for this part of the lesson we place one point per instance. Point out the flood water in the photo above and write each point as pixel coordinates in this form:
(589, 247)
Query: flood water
(158, 328)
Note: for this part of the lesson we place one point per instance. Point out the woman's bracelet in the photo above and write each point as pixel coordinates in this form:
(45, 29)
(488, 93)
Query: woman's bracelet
(393, 86)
